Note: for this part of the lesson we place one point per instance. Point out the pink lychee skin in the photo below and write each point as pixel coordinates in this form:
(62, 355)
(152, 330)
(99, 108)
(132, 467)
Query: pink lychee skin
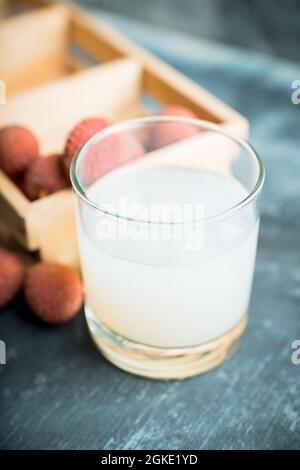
(143, 136)
(79, 135)
(109, 153)
(18, 149)
(12, 273)
(44, 176)
(53, 292)
(164, 134)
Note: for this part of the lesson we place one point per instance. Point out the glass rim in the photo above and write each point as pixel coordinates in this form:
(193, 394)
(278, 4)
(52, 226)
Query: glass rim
(133, 123)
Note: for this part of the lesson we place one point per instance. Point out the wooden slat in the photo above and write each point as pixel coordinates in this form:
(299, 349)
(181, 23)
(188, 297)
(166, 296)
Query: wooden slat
(108, 90)
(33, 48)
(160, 80)
(51, 223)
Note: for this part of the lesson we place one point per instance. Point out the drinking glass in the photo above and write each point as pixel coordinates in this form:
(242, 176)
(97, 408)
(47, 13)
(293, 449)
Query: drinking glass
(167, 221)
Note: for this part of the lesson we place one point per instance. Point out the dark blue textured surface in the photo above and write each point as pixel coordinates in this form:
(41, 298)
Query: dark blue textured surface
(58, 392)
(268, 26)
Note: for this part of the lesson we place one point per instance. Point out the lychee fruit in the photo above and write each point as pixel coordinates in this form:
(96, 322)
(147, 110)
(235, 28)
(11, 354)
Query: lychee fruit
(108, 153)
(53, 292)
(80, 134)
(11, 276)
(170, 132)
(18, 149)
(44, 176)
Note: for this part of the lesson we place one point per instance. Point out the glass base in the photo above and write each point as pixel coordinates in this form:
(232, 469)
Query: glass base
(163, 363)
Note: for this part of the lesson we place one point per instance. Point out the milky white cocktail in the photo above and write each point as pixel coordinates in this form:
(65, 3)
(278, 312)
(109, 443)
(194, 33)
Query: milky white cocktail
(158, 303)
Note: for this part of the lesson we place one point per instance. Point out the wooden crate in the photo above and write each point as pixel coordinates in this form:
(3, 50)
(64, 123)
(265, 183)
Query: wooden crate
(60, 67)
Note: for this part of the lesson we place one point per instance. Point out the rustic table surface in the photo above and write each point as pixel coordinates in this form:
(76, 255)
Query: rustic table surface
(57, 392)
